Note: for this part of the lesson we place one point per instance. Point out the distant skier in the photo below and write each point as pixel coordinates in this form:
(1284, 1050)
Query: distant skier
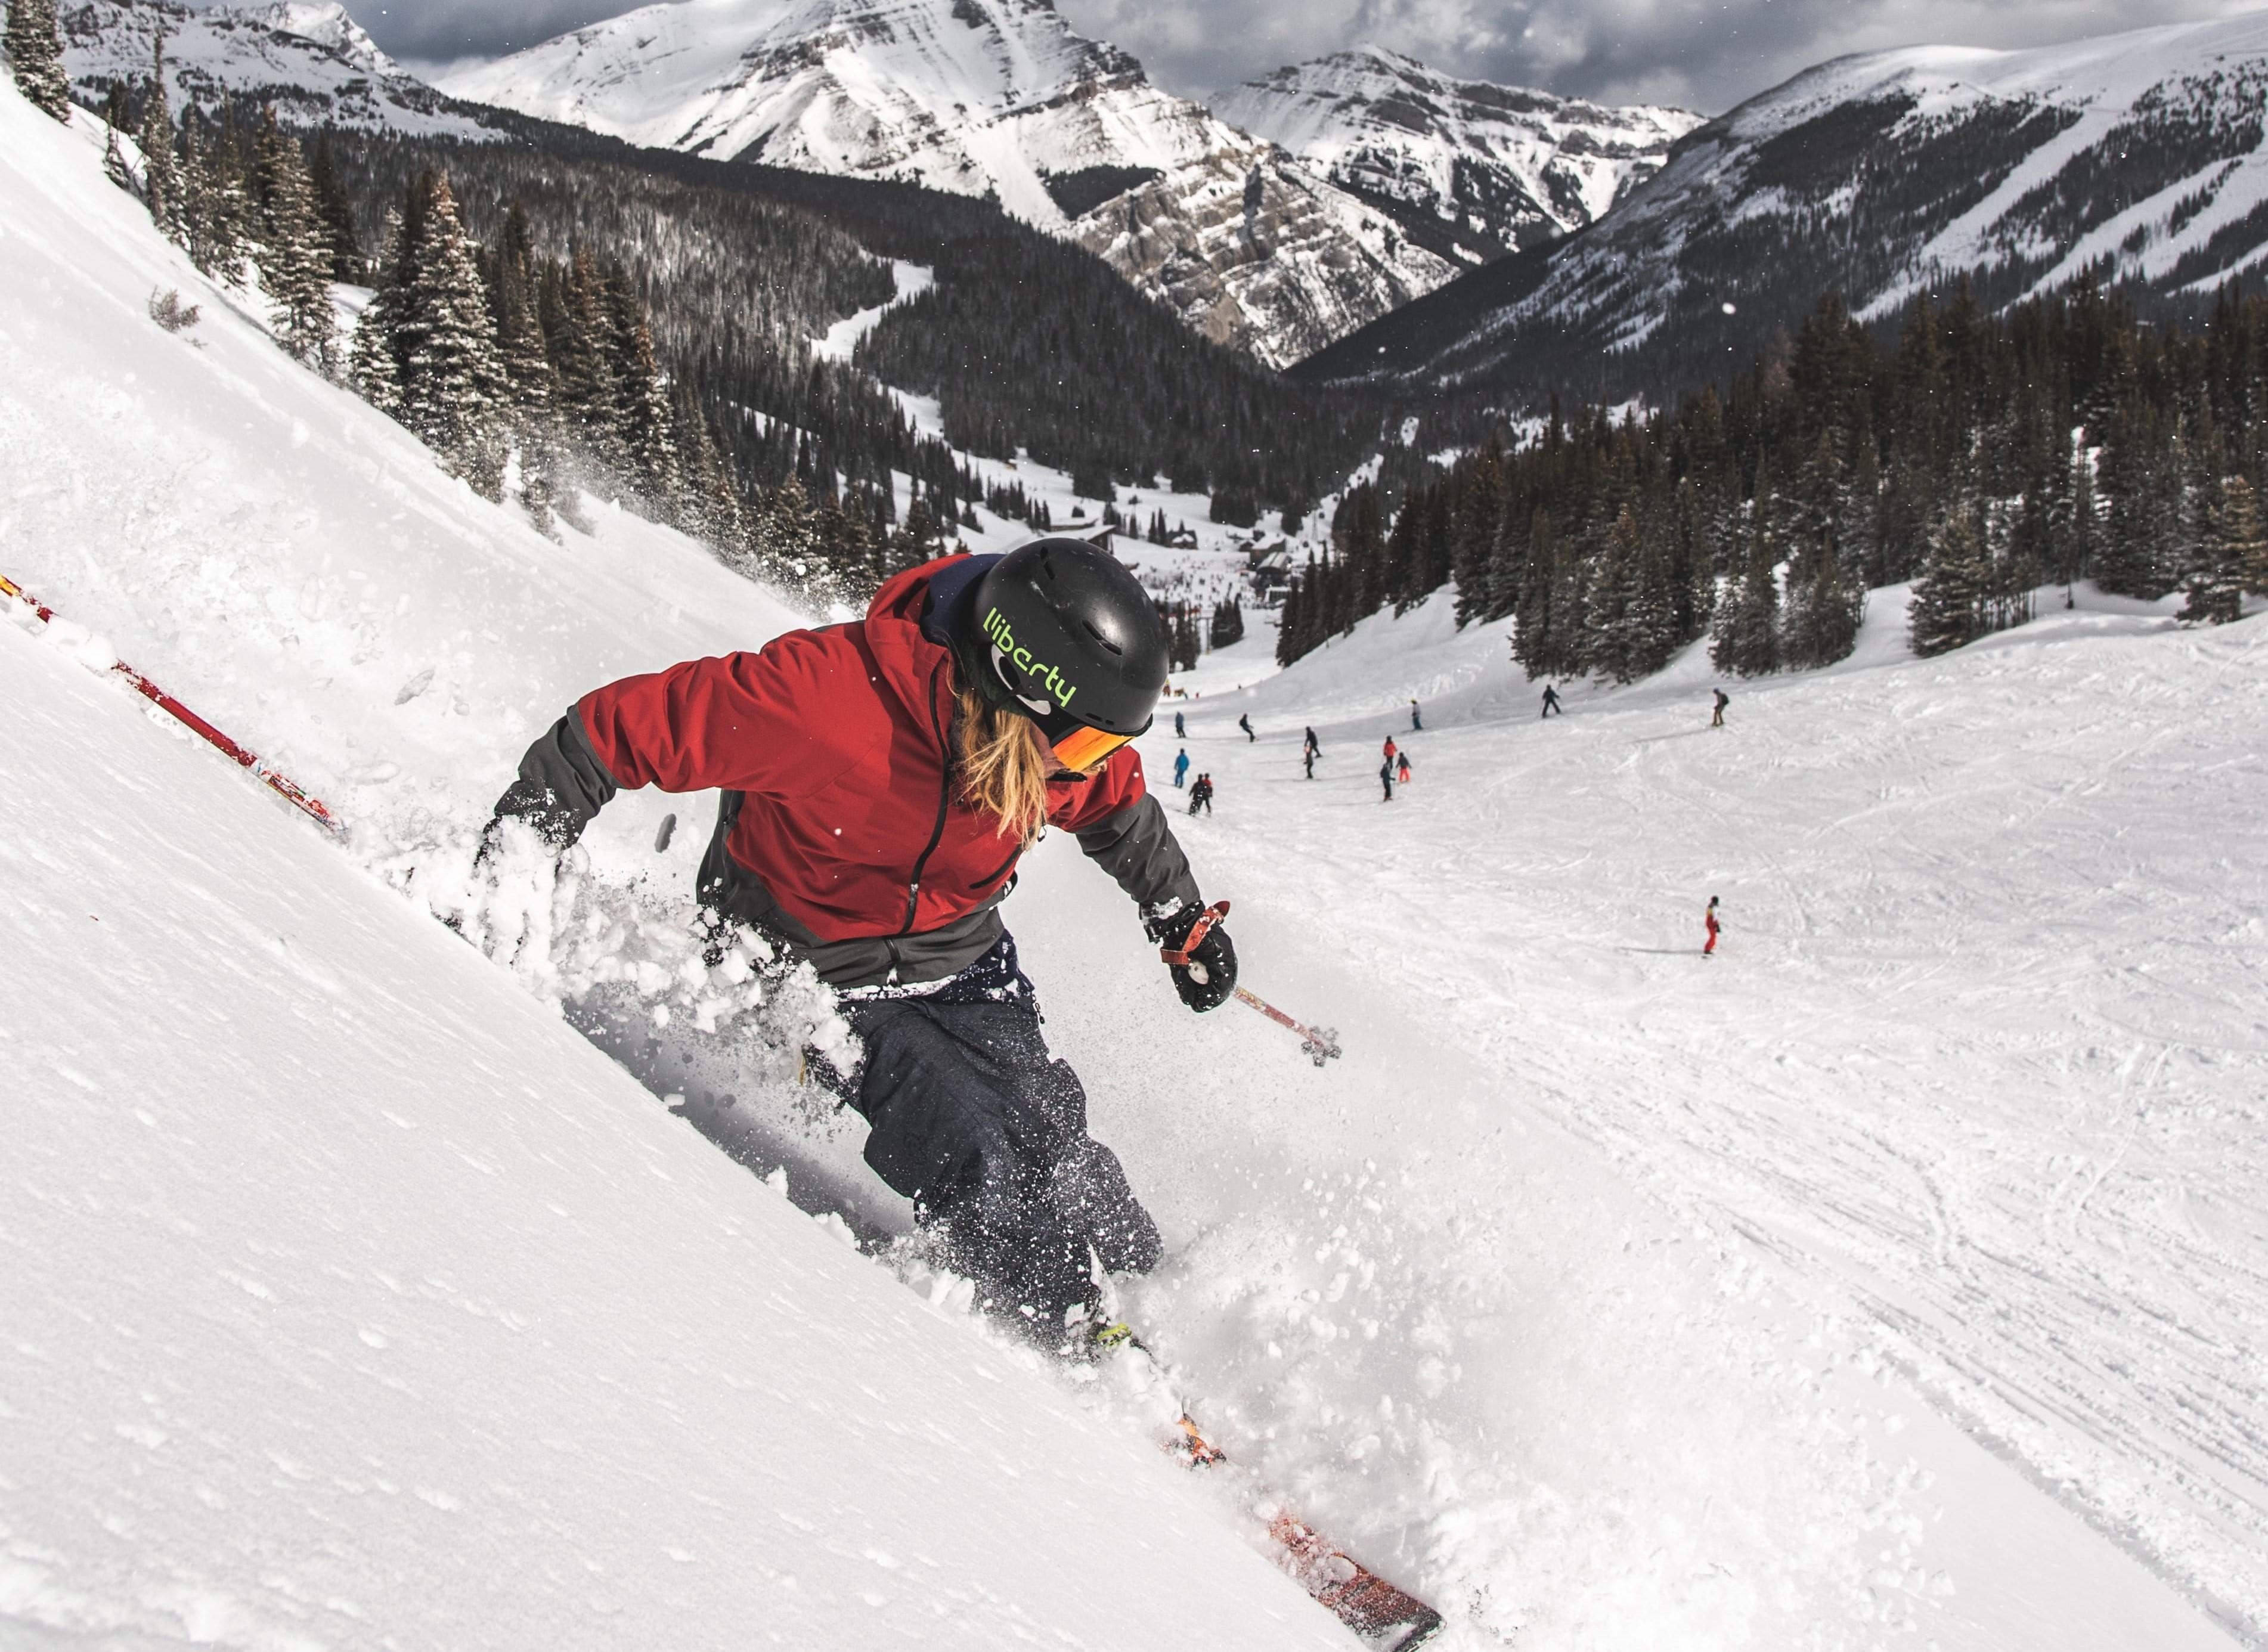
(1386, 779)
(1201, 794)
(948, 753)
(1551, 701)
(1181, 768)
(1390, 748)
(1180, 731)
(1245, 723)
(1709, 918)
(1414, 721)
(1308, 759)
(1717, 718)
(1402, 768)
(1315, 746)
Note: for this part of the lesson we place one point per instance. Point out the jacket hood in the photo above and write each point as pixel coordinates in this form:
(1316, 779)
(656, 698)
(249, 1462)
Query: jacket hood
(907, 660)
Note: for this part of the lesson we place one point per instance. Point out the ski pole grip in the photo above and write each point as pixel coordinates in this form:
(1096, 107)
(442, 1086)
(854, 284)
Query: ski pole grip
(1206, 919)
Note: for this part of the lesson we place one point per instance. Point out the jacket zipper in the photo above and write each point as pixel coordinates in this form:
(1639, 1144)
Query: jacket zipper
(944, 803)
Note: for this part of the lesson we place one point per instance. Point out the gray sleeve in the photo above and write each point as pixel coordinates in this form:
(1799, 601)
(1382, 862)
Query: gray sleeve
(562, 783)
(1136, 847)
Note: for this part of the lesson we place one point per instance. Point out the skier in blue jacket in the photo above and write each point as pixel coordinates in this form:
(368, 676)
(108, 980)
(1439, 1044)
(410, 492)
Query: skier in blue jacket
(1181, 768)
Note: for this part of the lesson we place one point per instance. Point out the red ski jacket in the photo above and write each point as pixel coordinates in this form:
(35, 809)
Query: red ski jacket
(840, 741)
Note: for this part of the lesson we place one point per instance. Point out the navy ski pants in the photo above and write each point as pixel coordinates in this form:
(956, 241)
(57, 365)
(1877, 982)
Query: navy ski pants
(974, 1121)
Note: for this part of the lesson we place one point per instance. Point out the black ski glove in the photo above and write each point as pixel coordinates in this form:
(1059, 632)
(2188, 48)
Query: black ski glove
(534, 802)
(1204, 973)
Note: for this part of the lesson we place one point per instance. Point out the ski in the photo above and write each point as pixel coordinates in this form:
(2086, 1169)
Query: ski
(274, 779)
(1389, 1617)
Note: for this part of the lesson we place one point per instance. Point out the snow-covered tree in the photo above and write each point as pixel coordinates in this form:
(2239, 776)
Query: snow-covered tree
(1746, 636)
(2232, 557)
(293, 251)
(452, 378)
(373, 366)
(35, 50)
(1948, 598)
(161, 190)
(648, 431)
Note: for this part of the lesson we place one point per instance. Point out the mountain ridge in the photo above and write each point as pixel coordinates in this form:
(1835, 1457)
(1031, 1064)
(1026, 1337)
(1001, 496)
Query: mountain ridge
(2136, 159)
(998, 96)
(1472, 168)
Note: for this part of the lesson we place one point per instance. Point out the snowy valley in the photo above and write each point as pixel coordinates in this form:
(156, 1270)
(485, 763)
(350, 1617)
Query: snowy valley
(1897, 1279)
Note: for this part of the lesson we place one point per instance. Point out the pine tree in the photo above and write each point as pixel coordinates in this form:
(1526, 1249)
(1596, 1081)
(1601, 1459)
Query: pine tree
(1619, 605)
(36, 49)
(2142, 477)
(2085, 532)
(161, 191)
(1288, 621)
(1473, 534)
(1949, 598)
(2232, 557)
(292, 253)
(643, 421)
(114, 121)
(452, 379)
(514, 290)
(374, 361)
(575, 329)
(1747, 631)
(335, 211)
(1534, 638)
(1361, 546)
(1824, 606)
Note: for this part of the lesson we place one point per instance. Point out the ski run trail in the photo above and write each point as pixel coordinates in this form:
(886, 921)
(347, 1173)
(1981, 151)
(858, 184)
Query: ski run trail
(1894, 1278)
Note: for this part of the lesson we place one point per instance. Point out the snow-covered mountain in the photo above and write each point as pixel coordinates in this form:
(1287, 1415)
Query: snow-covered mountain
(1472, 169)
(2137, 156)
(307, 57)
(995, 97)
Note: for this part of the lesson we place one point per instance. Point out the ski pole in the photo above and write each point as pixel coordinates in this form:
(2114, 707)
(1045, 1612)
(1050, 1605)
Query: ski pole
(281, 784)
(1319, 1043)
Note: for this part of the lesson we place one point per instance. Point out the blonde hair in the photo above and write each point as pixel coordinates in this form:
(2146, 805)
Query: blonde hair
(1004, 768)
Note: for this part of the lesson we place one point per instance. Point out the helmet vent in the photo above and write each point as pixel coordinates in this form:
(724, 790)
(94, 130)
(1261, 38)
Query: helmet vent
(1099, 638)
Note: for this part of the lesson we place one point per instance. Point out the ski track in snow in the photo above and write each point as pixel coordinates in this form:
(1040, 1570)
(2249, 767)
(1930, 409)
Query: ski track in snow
(1606, 1303)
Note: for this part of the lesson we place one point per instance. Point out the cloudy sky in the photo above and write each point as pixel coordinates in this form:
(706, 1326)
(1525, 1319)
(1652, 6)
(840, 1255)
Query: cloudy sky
(1705, 55)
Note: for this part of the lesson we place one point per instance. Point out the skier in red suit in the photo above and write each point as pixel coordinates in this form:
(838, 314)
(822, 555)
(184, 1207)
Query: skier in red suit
(881, 781)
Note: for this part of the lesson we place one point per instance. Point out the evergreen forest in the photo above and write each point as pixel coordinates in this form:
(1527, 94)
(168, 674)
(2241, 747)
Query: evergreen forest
(1979, 455)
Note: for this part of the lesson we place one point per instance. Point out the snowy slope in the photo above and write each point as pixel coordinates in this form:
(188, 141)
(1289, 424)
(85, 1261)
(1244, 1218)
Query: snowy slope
(1983, 1058)
(307, 57)
(999, 96)
(2140, 154)
(353, 1299)
(1486, 168)
(1428, 1292)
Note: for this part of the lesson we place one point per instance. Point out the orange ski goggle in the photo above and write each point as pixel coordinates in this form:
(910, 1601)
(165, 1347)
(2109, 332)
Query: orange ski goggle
(1083, 749)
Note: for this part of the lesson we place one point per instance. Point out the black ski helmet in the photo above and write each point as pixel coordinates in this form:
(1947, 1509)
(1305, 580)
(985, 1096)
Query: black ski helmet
(1067, 635)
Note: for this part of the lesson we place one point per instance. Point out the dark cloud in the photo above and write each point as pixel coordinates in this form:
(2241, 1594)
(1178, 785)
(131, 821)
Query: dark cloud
(1705, 55)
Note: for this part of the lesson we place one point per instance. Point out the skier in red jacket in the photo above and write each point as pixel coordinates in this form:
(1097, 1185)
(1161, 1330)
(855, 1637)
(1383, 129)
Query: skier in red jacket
(1715, 928)
(882, 780)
